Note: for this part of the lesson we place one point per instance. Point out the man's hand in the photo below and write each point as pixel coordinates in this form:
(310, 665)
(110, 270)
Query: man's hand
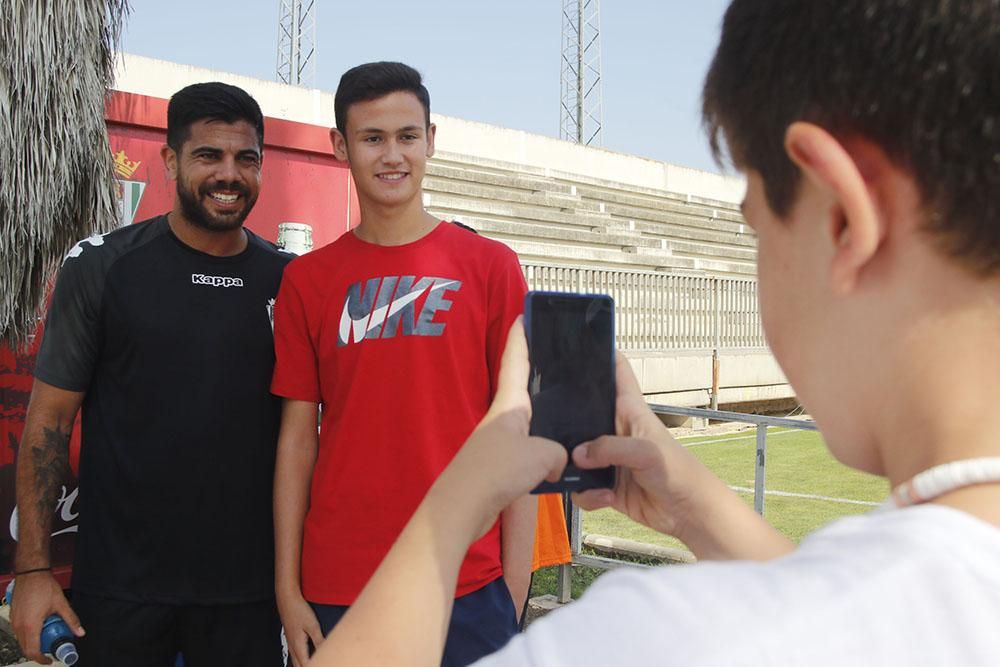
(37, 595)
(42, 466)
(301, 627)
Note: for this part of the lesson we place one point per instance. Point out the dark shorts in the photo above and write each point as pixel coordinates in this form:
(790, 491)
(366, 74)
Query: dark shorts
(482, 622)
(129, 634)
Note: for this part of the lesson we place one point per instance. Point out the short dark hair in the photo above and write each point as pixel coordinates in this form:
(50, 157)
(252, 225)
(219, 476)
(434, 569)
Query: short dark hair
(919, 79)
(210, 101)
(374, 80)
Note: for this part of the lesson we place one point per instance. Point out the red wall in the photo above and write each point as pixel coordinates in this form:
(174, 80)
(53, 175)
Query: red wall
(302, 182)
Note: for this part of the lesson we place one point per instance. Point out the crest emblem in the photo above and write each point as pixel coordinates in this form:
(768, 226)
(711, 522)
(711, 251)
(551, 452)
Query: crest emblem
(129, 191)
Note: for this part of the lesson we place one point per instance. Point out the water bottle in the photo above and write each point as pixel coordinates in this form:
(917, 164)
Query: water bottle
(57, 639)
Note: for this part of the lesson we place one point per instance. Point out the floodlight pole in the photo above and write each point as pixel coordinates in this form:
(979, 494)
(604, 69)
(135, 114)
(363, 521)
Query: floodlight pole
(297, 42)
(581, 105)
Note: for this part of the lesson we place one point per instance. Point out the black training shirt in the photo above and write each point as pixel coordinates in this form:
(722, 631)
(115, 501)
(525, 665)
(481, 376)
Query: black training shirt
(174, 349)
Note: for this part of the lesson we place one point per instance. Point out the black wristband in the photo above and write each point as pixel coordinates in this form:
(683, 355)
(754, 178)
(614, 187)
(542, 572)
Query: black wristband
(18, 573)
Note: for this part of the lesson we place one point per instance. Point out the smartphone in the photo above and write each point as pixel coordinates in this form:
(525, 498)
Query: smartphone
(572, 379)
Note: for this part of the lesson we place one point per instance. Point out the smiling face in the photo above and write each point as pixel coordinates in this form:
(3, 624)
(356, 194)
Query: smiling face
(387, 142)
(218, 174)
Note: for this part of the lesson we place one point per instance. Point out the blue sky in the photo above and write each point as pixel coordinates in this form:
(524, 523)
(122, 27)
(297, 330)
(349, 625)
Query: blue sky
(496, 62)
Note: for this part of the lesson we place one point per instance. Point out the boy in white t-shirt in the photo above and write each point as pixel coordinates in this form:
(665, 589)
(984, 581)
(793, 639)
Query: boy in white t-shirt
(869, 132)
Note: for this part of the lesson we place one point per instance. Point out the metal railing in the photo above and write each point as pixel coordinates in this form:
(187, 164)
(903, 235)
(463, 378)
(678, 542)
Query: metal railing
(661, 311)
(574, 520)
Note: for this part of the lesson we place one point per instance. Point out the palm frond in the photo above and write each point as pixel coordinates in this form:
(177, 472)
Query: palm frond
(56, 175)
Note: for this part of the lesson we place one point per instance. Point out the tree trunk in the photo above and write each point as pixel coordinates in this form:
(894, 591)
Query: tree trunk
(57, 181)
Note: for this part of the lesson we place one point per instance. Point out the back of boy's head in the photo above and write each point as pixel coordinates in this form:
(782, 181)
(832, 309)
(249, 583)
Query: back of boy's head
(371, 81)
(919, 78)
(210, 101)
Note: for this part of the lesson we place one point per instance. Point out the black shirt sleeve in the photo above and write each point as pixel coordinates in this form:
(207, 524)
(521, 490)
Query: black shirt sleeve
(73, 332)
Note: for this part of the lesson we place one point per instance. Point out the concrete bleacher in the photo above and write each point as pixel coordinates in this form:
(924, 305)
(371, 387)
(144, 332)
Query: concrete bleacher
(573, 220)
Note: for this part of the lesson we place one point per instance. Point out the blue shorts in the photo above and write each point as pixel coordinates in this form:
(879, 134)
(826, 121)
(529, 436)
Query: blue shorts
(482, 622)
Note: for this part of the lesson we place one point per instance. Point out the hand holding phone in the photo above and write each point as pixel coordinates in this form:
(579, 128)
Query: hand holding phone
(572, 377)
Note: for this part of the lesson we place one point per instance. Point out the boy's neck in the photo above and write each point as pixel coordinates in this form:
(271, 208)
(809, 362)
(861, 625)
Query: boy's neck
(942, 405)
(981, 501)
(393, 226)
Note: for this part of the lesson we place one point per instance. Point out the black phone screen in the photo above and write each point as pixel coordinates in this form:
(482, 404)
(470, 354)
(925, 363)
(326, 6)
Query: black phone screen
(572, 378)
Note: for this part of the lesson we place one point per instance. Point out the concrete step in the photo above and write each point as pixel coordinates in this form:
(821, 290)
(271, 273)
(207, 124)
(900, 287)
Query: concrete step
(574, 255)
(497, 172)
(717, 266)
(542, 232)
(669, 233)
(619, 546)
(711, 251)
(683, 232)
(510, 180)
(654, 192)
(490, 192)
(458, 205)
(689, 218)
(664, 201)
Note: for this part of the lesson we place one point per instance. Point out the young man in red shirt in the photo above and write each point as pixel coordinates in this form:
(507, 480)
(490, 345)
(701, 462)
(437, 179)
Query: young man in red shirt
(396, 329)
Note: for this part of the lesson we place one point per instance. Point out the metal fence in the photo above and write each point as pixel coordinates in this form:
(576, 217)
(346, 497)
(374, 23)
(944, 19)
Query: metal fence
(575, 522)
(659, 311)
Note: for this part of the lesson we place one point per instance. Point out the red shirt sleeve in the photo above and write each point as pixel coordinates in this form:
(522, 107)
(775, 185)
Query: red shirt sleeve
(296, 373)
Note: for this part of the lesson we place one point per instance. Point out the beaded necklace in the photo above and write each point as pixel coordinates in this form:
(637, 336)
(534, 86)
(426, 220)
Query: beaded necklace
(941, 479)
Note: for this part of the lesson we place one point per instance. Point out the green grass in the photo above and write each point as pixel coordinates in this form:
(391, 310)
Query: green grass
(546, 580)
(797, 462)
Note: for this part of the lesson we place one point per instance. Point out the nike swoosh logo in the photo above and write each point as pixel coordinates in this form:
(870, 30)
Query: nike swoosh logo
(378, 317)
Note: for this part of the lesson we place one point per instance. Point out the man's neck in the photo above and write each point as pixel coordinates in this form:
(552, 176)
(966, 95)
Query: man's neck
(392, 226)
(218, 243)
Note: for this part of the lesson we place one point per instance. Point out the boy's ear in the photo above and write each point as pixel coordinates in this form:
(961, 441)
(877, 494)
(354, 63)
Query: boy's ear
(339, 145)
(431, 133)
(169, 157)
(855, 223)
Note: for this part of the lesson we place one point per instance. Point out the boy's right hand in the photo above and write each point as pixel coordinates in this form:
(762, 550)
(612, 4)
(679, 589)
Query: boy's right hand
(36, 596)
(301, 627)
(654, 471)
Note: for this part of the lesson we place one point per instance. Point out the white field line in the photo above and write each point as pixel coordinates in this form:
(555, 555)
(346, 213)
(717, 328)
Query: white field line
(738, 438)
(786, 494)
(808, 496)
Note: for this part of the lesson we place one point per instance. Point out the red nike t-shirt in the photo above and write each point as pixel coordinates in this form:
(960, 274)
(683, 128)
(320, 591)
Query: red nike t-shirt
(401, 345)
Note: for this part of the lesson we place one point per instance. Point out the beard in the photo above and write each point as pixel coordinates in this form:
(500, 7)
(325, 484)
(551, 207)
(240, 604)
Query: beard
(198, 214)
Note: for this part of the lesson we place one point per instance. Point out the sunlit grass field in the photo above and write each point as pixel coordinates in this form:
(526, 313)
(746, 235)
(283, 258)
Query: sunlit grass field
(797, 463)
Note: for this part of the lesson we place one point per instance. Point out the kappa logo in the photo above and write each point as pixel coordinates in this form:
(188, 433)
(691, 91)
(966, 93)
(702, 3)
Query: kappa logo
(385, 307)
(216, 281)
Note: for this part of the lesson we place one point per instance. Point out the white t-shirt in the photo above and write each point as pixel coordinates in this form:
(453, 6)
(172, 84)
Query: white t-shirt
(918, 586)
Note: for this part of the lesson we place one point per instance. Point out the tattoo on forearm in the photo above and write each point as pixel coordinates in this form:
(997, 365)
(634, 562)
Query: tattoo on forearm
(50, 462)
